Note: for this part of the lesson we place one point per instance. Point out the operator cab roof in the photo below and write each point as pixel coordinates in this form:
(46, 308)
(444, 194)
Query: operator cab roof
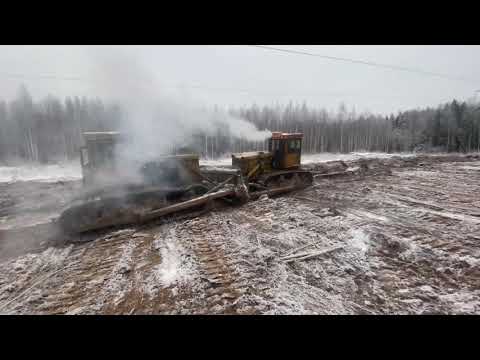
(279, 135)
(251, 154)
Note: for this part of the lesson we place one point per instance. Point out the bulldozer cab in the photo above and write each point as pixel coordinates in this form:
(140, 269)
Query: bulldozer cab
(103, 164)
(286, 150)
(98, 153)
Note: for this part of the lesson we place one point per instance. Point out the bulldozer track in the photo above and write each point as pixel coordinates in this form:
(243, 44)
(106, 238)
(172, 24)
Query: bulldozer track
(225, 285)
(80, 276)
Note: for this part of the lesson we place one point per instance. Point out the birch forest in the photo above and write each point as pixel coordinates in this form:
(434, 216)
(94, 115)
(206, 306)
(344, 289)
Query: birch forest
(51, 129)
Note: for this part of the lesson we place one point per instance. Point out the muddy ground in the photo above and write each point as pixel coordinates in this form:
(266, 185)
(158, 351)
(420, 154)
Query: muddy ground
(401, 237)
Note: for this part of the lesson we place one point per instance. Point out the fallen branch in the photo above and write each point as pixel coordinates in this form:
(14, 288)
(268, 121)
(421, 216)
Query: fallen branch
(46, 277)
(290, 252)
(363, 309)
(220, 185)
(309, 255)
(272, 192)
(183, 205)
(199, 173)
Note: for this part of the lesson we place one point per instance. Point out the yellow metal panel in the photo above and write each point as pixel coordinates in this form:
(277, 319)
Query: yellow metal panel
(247, 162)
(292, 160)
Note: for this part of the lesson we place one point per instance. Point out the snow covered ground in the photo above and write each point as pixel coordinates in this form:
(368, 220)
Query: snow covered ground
(72, 171)
(324, 157)
(317, 158)
(399, 243)
(43, 173)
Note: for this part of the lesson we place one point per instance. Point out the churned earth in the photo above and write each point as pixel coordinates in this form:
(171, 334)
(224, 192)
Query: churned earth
(400, 237)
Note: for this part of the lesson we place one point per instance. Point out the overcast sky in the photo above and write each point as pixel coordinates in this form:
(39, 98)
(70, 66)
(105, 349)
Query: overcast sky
(242, 75)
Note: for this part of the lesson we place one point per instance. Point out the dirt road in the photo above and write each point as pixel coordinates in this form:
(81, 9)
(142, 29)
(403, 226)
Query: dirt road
(403, 239)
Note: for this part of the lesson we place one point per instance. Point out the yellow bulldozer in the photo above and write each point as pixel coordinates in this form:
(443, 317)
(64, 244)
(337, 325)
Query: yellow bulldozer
(175, 183)
(281, 164)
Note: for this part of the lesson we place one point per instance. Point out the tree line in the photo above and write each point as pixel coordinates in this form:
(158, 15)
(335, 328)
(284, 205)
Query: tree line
(51, 129)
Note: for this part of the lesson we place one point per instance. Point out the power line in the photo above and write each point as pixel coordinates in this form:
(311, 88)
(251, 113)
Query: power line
(363, 62)
(49, 77)
(180, 87)
(249, 91)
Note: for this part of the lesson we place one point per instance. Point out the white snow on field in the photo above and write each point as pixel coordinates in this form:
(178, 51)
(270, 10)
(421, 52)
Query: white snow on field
(43, 173)
(70, 171)
(176, 267)
(317, 158)
(477, 168)
(462, 302)
(118, 284)
(324, 157)
(359, 240)
(224, 161)
(418, 173)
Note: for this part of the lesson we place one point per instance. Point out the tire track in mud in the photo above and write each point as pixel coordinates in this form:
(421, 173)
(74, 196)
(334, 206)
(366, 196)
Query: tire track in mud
(31, 273)
(110, 274)
(77, 280)
(440, 240)
(397, 223)
(86, 274)
(135, 299)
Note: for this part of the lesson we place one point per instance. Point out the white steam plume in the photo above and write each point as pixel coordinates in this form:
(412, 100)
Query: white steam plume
(156, 121)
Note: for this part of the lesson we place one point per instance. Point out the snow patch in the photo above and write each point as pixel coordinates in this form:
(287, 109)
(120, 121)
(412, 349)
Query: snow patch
(49, 258)
(468, 167)
(368, 214)
(43, 173)
(317, 158)
(325, 157)
(359, 240)
(420, 173)
(462, 302)
(176, 267)
(224, 161)
(118, 284)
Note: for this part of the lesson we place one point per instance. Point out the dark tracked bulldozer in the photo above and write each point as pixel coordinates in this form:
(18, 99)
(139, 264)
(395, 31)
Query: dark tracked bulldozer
(114, 195)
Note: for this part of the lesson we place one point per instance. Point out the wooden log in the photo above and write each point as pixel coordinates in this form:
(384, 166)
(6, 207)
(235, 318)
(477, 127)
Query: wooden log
(189, 204)
(276, 191)
(215, 188)
(118, 217)
(199, 173)
(291, 251)
(71, 224)
(183, 205)
(304, 256)
(363, 309)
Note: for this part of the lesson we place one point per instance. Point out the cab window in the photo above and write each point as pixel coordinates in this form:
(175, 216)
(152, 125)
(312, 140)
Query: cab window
(276, 145)
(292, 147)
(103, 153)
